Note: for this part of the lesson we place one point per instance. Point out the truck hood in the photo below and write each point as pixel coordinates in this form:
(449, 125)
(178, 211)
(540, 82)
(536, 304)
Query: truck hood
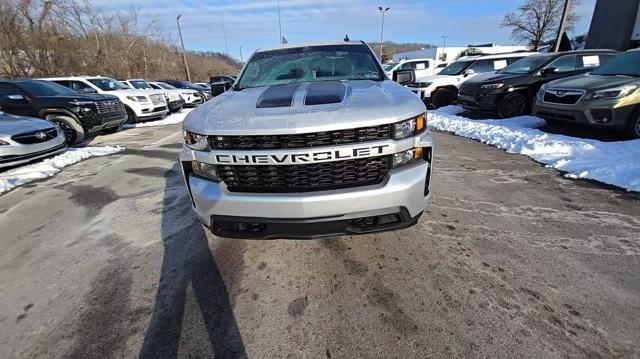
(304, 107)
(591, 82)
(12, 125)
(80, 97)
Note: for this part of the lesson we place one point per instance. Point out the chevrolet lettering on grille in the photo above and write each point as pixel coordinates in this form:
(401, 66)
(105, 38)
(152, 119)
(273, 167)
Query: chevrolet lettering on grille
(298, 157)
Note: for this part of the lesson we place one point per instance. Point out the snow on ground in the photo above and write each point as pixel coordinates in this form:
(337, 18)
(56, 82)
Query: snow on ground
(614, 163)
(169, 120)
(49, 167)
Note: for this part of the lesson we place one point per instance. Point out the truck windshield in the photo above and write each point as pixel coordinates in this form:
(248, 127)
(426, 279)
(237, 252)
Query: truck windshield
(44, 88)
(526, 65)
(627, 64)
(107, 84)
(310, 64)
(455, 68)
(139, 84)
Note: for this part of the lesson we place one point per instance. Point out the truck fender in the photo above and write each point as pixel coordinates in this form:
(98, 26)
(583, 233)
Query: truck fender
(51, 112)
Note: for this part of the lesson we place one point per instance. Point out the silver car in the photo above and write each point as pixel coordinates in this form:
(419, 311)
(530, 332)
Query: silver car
(24, 139)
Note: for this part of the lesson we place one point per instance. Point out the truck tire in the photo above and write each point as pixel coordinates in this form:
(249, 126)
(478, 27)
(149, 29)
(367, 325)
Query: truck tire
(633, 126)
(73, 132)
(132, 118)
(443, 97)
(513, 105)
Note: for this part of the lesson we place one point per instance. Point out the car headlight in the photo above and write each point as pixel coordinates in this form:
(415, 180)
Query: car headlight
(613, 93)
(409, 128)
(138, 98)
(406, 157)
(4, 143)
(492, 86)
(195, 141)
(81, 103)
(205, 170)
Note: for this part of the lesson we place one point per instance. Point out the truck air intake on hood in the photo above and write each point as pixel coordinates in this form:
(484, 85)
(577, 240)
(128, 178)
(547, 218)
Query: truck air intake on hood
(277, 96)
(326, 92)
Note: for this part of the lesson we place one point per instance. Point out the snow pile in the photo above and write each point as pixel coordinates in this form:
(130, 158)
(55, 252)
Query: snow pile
(49, 167)
(169, 120)
(614, 163)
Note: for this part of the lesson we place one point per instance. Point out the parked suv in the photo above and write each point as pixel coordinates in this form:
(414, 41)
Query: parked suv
(511, 91)
(186, 85)
(192, 98)
(139, 105)
(173, 98)
(76, 114)
(311, 141)
(422, 67)
(605, 97)
(442, 89)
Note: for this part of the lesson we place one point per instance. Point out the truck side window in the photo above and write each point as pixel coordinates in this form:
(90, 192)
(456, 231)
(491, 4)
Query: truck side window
(79, 86)
(421, 65)
(481, 66)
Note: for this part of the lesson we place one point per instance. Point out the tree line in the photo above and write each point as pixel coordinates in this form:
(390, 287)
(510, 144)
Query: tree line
(71, 37)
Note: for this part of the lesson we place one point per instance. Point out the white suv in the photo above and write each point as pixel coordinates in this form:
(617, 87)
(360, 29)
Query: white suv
(192, 98)
(422, 67)
(140, 105)
(442, 89)
(174, 100)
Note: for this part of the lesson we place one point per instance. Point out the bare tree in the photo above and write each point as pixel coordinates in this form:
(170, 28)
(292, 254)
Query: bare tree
(537, 21)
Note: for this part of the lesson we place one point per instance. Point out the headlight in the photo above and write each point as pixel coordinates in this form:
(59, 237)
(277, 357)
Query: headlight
(4, 143)
(195, 141)
(492, 86)
(138, 98)
(618, 92)
(205, 170)
(405, 157)
(409, 128)
(81, 103)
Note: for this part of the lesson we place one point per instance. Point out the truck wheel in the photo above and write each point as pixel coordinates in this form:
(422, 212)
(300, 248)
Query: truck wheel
(442, 97)
(512, 105)
(73, 132)
(131, 117)
(633, 127)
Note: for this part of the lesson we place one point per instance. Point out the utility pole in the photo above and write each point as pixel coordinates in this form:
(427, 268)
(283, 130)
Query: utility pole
(444, 47)
(241, 59)
(383, 12)
(279, 22)
(226, 47)
(184, 56)
(563, 24)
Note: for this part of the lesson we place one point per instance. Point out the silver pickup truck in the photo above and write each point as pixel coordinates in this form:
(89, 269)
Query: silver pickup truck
(311, 141)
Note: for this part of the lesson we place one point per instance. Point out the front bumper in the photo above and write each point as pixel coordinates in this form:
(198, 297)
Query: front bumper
(478, 102)
(604, 113)
(101, 122)
(177, 104)
(402, 195)
(22, 154)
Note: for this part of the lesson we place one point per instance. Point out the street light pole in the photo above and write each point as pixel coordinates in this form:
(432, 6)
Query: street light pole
(241, 59)
(383, 12)
(279, 22)
(184, 56)
(444, 46)
(226, 47)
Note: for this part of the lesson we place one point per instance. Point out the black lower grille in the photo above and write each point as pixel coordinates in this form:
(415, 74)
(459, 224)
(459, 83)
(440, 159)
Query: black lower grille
(469, 89)
(570, 99)
(29, 138)
(314, 139)
(305, 178)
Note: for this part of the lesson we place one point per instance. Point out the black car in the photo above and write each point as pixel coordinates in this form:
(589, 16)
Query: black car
(181, 84)
(76, 114)
(511, 91)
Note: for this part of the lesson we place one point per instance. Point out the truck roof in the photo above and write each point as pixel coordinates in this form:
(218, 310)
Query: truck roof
(319, 43)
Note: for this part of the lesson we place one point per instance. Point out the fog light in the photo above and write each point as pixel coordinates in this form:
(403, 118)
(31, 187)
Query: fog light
(205, 170)
(406, 157)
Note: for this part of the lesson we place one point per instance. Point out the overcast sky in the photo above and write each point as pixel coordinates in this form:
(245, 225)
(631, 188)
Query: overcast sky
(254, 23)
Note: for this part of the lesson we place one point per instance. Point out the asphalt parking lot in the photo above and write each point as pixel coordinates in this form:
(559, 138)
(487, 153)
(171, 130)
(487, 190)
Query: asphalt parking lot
(511, 259)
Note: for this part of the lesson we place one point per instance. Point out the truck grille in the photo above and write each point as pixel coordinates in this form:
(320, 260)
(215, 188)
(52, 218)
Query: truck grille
(109, 106)
(315, 139)
(562, 97)
(469, 89)
(304, 178)
(29, 138)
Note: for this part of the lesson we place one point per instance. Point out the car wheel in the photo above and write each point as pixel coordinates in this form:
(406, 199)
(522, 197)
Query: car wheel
(442, 97)
(131, 117)
(512, 105)
(111, 130)
(199, 100)
(633, 127)
(73, 132)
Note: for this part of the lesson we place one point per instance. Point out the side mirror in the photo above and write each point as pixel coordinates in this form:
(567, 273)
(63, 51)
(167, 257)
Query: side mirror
(548, 71)
(16, 97)
(469, 72)
(404, 77)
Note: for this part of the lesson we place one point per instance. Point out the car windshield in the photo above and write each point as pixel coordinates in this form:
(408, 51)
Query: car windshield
(45, 88)
(165, 86)
(310, 64)
(390, 66)
(455, 68)
(107, 84)
(526, 65)
(140, 84)
(627, 64)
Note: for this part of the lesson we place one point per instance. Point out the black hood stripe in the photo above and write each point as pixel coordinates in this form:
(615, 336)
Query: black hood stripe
(325, 92)
(277, 96)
